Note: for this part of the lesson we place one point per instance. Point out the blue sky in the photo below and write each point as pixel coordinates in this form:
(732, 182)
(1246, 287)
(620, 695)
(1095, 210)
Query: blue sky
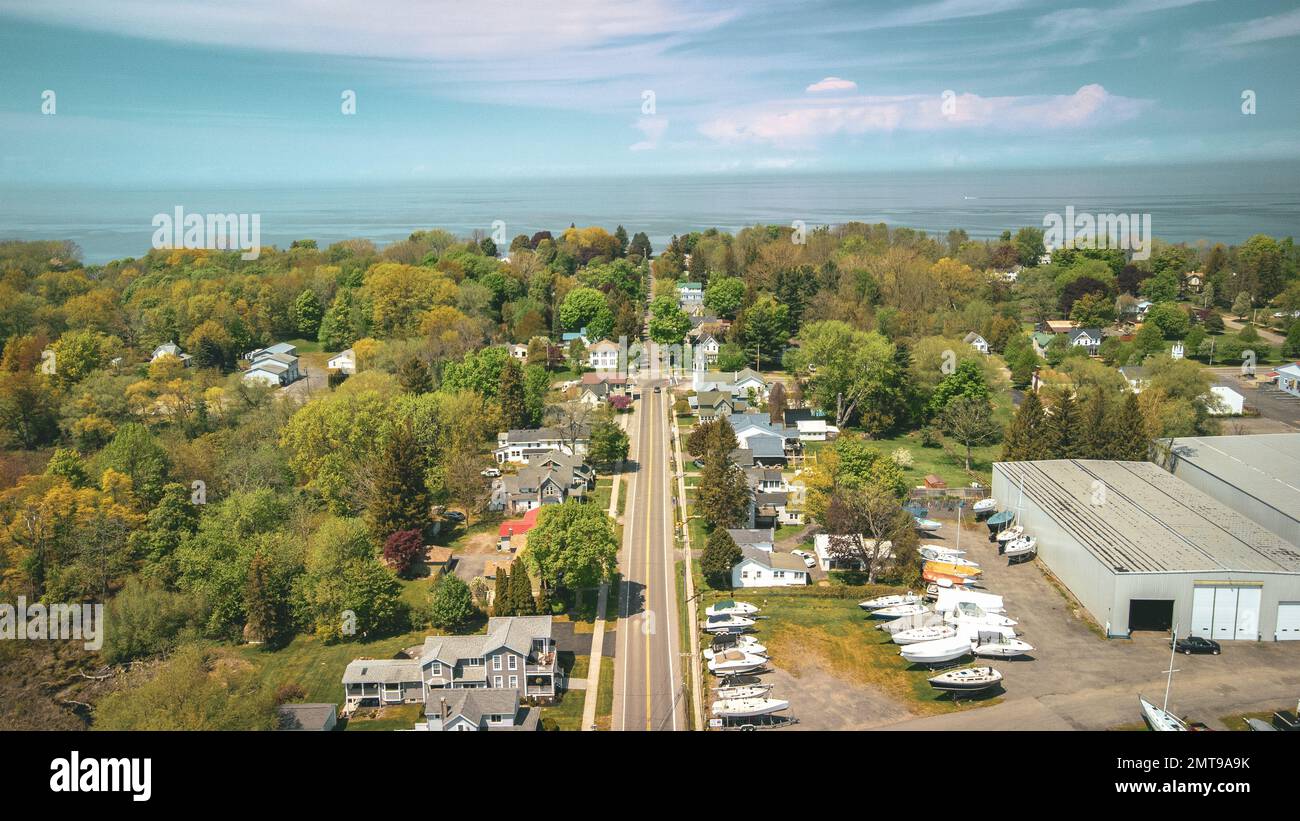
(194, 92)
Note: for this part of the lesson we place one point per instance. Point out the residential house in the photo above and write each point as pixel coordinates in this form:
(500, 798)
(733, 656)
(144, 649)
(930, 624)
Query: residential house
(276, 366)
(594, 393)
(765, 568)
(977, 342)
(1137, 377)
(343, 361)
(766, 480)
(603, 356)
(760, 539)
(828, 560)
(567, 338)
(690, 295)
(519, 351)
(771, 509)
(170, 349)
(706, 349)
(1041, 340)
(518, 445)
(710, 405)
(309, 717)
(761, 450)
(1194, 282)
(516, 653)
(473, 710)
(793, 416)
(737, 383)
(703, 324)
(1087, 338)
(816, 430)
(550, 478)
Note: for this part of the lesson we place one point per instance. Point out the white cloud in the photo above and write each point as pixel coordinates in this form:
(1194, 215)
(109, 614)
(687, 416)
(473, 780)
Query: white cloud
(1249, 32)
(803, 122)
(653, 129)
(831, 84)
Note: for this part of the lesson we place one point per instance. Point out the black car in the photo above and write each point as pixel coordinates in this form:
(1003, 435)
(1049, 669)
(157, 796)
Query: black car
(656, 389)
(1196, 644)
(454, 516)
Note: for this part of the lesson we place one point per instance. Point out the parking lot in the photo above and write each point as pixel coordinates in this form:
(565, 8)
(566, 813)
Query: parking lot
(1279, 412)
(1078, 680)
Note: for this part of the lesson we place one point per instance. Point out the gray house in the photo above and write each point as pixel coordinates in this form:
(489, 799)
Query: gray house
(516, 653)
(551, 478)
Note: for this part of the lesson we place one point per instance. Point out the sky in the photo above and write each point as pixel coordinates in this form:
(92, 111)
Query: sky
(149, 92)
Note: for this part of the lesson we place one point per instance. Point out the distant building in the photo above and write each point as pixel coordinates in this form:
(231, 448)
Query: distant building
(603, 356)
(170, 349)
(766, 568)
(519, 351)
(977, 342)
(343, 361)
(1087, 338)
(317, 717)
(519, 446)
(690, 296)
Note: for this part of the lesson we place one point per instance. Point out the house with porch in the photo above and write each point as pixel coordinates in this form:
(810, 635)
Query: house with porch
(1087, 338)
(707, 348)
(170, 349)
(475, 710)
(550, 478)
(977, 342)
(710, 405)
(517, 653)
(343, 362)
(767, 568)
(518, 446)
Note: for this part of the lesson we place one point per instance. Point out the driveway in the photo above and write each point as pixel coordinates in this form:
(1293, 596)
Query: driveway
(1279, 412)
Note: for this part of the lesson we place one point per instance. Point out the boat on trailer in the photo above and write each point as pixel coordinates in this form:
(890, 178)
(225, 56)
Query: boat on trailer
(728, 607)
(966, 680)
(748, 707)
(1004, 648)
(745, 691)
(999, 521)
(727, 623)
(940, 553)
(985, 507)
(753, 647)
(926, 525)
(936, 652)
(1009, 534)
(1021, 547)
(736, 661)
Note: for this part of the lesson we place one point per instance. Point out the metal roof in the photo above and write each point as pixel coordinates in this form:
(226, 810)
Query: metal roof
(1266, 466)
(1134, 517)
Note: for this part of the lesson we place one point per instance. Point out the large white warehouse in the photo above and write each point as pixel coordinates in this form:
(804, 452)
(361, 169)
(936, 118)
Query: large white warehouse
(1143, 550)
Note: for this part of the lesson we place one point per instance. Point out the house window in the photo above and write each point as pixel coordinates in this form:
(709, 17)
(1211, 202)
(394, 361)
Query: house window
(496, 662)
(436, 668)
(513, 662)
(514, 682)
(496, 682)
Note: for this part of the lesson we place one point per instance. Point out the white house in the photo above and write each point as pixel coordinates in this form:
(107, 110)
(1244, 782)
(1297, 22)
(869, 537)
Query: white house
(345, 361)
(1288, 378)
(1227, 401)
(603, 356)
(170, 349)
(518, 445)
(763, 568)
(816, 430)
(829, 561)
(977, 342)
(690, 295)
(1089, 338)
(276, 366)
(519, 351)
(706, 349)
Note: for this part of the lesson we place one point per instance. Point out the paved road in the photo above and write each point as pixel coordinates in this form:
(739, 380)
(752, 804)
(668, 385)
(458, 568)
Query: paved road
(648, 691)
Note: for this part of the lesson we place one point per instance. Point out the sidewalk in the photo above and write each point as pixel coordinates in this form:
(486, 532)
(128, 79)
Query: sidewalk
(598, 633)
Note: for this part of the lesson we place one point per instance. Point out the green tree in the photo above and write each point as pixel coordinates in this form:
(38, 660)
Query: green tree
(609, 443)
(573, 546)
(668, 323)
(414, 375)
(514, 411)
(967, 380)
(970, 421)
(1095, 436)
(1063, 429)
(721, 553)
(501, 594)
(764, 328)
(135, 452)
(451, 604)
(1025, 437)
(265, 607)
(398, 498)
(521, 590)
(307, 313)
(1129, 438)
(580, 307)
(725, 295)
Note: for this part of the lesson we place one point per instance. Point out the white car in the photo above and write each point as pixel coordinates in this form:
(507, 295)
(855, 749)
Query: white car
(491, 473)
(809, 560)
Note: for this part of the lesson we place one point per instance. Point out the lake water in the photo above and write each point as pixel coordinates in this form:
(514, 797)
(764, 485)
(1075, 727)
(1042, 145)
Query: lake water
(1226, 203)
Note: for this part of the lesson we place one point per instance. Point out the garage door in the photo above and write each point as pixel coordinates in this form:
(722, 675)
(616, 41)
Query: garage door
(1226, 612)
(1288, 621)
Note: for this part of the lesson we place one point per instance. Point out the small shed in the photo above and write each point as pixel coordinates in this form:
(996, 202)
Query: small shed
(933, 481)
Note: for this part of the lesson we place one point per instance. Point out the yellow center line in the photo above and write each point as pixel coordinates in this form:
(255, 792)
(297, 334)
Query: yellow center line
(645, 635)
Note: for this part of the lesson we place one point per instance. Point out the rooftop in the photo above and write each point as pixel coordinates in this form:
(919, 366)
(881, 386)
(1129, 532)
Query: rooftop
(1266, 466)
(1151, 521)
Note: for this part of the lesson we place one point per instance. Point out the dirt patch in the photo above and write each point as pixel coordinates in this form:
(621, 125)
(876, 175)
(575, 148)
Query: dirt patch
(42, 686)
(823, 695)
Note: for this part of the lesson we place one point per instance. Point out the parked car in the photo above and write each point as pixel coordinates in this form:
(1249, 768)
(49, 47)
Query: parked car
(809, 560)
(656, 389)
(1196, 644)
(492, 473)
(454, 516)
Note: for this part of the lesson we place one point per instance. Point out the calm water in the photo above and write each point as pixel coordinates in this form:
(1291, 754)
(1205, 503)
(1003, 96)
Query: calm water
(1221, 203)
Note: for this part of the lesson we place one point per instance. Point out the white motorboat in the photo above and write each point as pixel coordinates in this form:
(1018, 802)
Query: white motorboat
(1159, 719)
(939, 553)
(750, 647)
(1260, 725)
(737, 641)
(1010, 534)
(966, 680)
(746, 691)
(900, 610)
(926, 525)
(916, 635)
(1005, 648)
(727, 623)
(935, 652)
(948, 600)
(882, 602)
(968, 612)
(1024, 546)
(985, 505)
(727, 607)
(746, 707)
(735, 661)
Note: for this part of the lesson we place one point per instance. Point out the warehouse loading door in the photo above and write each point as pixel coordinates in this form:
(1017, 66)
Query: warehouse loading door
(1150, 614)
(1226, 612)
(1288, 621)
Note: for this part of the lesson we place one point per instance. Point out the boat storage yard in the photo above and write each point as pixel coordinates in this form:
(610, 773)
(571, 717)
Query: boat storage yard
(1144, 550)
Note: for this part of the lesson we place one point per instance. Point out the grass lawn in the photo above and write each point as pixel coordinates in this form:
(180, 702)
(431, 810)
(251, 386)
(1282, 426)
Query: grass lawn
(567, 714)
(788, 531)
(605, 698)
(1237, 721)
(377, 719)
(318, 667)
(948, 466)
(600, 496)
(306, 345)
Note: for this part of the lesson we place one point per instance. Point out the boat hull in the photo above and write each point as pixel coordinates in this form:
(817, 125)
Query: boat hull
(747, 708)
(1003, 650)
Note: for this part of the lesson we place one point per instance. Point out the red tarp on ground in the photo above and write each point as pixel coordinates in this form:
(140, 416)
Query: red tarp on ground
(514, 527)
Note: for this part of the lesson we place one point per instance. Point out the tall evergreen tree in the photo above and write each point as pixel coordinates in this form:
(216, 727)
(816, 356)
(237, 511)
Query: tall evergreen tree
(399, 499)
(1130, 441)
(514, 406)
(521, 590)
(414, 375)
(720, 555)
(1094, 433)
(263, 623)
(1063, 433)
(1025, 434)
(501, 595)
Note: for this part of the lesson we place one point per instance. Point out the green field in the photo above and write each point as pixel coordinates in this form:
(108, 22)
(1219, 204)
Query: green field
(318, 667)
